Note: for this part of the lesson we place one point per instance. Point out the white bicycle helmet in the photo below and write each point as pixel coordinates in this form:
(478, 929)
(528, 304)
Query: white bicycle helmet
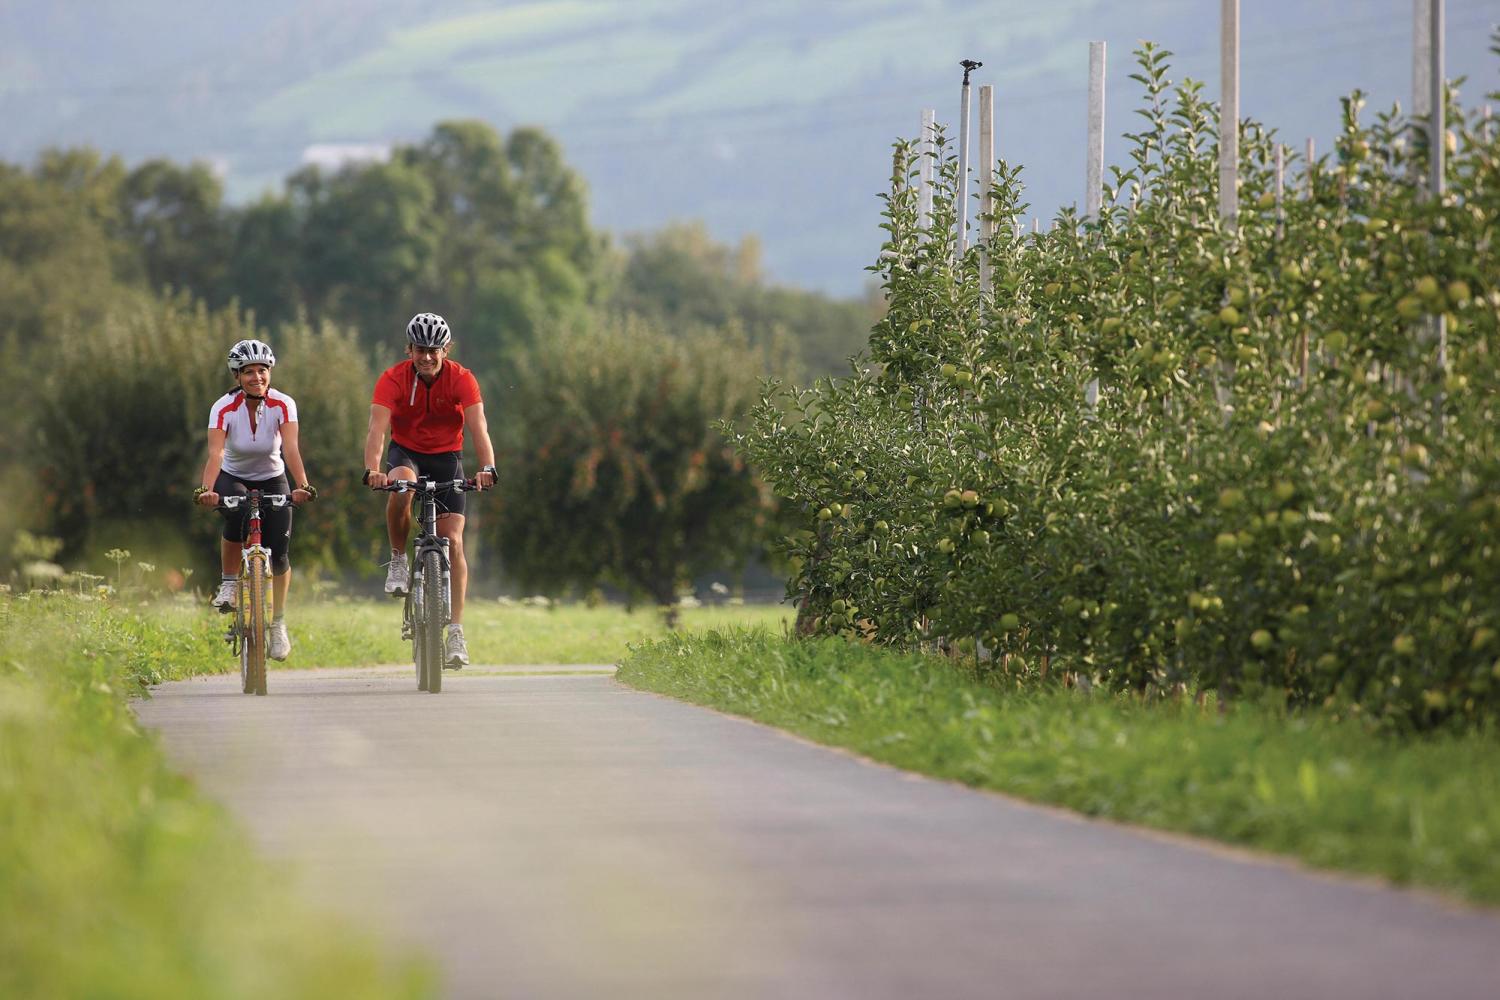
(428, 330)
(250, 352)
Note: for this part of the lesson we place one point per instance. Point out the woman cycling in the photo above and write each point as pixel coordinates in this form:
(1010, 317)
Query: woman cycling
(250, 429)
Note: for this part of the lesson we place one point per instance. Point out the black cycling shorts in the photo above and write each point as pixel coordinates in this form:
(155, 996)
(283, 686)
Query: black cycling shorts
(442, 465)
(275, 522)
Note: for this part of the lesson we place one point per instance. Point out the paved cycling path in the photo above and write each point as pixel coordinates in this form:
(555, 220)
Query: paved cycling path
(566, 836)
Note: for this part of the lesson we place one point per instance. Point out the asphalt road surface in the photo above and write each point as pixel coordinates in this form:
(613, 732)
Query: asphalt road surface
(561, 835)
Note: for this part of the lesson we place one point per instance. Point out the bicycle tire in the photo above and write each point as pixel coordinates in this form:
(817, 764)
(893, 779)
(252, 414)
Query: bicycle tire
(255, 639)
(432, 613)
(241, 634)
(414, 629)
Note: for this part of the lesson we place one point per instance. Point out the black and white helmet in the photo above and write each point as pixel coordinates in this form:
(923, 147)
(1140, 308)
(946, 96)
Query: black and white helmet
(428, 330)
(250, 352)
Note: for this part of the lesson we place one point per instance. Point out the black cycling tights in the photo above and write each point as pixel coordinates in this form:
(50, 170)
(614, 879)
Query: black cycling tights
(275, 522)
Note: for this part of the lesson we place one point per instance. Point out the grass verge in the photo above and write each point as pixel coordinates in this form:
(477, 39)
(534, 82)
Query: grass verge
(116, 879)
(1424, 811)
(360, 632)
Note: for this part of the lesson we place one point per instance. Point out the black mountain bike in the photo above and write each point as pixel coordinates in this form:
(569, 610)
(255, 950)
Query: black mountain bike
(429, 601)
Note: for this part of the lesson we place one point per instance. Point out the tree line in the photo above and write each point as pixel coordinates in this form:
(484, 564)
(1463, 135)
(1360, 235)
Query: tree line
(122, 287)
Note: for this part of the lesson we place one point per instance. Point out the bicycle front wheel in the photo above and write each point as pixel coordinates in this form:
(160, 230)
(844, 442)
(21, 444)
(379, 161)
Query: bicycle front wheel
(255, 625)
(242, 633)
(414, 627)
(432, 619)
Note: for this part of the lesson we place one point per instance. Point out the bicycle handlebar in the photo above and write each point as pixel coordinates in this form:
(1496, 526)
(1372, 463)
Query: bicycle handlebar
(428, 485)
(266, 500)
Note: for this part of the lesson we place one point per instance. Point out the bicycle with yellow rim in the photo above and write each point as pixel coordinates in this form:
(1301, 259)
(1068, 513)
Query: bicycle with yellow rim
(249, 628)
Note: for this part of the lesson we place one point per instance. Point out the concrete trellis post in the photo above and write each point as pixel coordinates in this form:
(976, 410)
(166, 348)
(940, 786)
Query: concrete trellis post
(1421, 59)
(1308, 158)
(1093, 198)
(1229, 110)
(926, 150)
(986, 180)
(1281, 234)
(1437, 143)
(1280, 191)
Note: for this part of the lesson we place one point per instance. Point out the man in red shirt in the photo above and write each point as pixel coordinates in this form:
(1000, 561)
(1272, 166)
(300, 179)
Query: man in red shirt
(426, 403)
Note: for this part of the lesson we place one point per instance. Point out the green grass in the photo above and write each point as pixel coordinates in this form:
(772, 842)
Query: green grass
(1424, 811)
(358, 632)
(116, 879)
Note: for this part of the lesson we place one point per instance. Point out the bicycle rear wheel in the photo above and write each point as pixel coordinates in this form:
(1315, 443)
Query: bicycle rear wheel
(255, 623)
(432, 619)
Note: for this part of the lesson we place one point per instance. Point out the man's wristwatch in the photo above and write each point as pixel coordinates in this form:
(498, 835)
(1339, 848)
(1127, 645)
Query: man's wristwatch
(492, 471)
(368, 474)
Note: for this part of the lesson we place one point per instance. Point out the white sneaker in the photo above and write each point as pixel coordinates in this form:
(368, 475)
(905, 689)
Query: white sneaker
(397, 578)
(228, 596)
(456, 653)
(281, 643)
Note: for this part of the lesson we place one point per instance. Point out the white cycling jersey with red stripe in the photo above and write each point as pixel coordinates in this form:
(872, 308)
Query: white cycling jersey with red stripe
(252, 449)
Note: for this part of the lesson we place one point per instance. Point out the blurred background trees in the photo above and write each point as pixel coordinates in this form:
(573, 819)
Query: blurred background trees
(616, 472)
(121, 289)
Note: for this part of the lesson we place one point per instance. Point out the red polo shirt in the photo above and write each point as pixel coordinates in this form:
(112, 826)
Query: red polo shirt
(428, 419)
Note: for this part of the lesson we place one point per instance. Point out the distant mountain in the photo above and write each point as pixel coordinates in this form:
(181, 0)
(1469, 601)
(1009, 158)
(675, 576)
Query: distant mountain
(774, 118)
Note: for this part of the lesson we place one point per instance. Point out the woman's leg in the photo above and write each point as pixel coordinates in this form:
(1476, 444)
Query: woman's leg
(280, 582)
(229, 556)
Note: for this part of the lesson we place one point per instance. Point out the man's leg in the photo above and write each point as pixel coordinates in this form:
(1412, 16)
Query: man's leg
(398, 510)
(456, 649)
(398, 527)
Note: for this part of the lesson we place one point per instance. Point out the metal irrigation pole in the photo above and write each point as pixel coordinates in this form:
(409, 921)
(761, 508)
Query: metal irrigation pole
(962, 194)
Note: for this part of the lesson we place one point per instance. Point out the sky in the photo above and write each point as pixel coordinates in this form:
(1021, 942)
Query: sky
(772, 120)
